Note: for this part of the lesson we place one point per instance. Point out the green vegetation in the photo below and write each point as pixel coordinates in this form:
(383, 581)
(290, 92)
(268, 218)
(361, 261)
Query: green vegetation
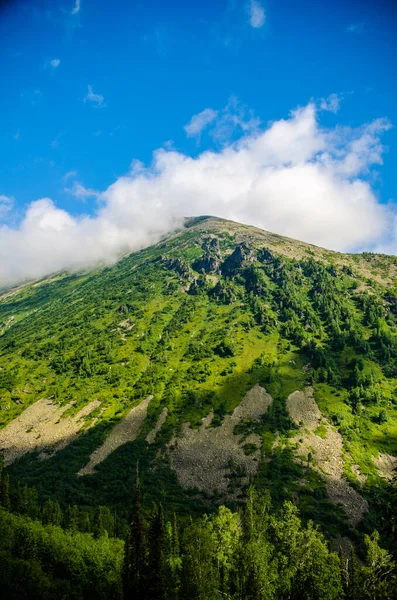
(258, 553)
(196, 321)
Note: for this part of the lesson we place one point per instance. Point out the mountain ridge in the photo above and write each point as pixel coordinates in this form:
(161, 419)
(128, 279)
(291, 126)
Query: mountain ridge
(283, 245)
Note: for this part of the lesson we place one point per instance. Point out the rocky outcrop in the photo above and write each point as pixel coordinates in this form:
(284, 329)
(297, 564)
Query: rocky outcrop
(241, 257)
(177, 265)
(198, 285)
(211, 258)
(265, 255)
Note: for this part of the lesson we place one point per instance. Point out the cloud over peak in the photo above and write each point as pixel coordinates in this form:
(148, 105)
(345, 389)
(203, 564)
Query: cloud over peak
(293, 177)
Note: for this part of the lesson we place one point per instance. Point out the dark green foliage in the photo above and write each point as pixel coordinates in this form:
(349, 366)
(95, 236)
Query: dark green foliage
(135, 570)
(44, 562)
(155, 588)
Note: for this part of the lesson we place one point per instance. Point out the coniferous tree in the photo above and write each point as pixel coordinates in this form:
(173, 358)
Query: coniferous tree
(51, 512)
(4, 491)
(104, 522)
(19, 502)
(155, 580)
(71, 518)
(173, 561)
(84, 522)
(135, 552)
(4, 487)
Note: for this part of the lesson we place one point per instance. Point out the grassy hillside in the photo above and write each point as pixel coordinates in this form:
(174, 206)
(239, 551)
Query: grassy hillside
(197, 321)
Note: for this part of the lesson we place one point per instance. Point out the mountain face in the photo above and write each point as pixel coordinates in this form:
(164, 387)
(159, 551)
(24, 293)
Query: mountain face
(222, 356)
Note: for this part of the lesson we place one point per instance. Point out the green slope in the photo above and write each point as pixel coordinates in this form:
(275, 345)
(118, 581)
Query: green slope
(197, 320)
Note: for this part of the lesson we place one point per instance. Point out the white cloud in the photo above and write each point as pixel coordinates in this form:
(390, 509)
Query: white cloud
(331, 103)
(6, 204)
(17, 135)
(256, 14)
(69, 175)
(96, 99)
(76, 8)
(55, 62)
(200, 121)
(293, 177)
(79, 191)
(355, 28)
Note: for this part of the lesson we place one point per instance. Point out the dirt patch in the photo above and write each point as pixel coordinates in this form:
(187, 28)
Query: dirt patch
(126, 431)
(325, 453)
(41, 427)
(213, 459)
(151, 436)
(386, 465)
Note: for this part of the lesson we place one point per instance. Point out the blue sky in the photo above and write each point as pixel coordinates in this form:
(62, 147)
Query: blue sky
(89, 86)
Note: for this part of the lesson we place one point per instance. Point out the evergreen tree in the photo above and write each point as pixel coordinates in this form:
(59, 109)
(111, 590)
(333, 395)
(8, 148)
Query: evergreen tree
(104, 522)
(4, 491)
(173, 561)
(155, 579)
(135, 552)
(51, 513)
(71, 518)
(84, 522)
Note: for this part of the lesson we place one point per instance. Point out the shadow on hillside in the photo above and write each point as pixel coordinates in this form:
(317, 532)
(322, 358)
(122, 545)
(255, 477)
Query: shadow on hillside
(113, 482)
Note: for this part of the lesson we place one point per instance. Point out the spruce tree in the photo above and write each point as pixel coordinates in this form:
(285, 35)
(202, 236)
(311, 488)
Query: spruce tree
(51, 512)
(135, 552)
(72, 518)
(4, 491)
(173, 561)
(155, 580)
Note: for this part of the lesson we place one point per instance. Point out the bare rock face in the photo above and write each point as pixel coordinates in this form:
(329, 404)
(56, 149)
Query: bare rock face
(177, 265)
(265, 255)
(241, 257)
(325, 452)
(215, 459)
(210, 260)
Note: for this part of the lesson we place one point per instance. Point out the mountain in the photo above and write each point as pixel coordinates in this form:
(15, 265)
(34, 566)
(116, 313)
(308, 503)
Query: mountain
(222, 356)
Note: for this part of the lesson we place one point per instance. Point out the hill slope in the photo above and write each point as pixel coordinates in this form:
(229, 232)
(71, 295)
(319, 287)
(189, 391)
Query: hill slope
(222, 355)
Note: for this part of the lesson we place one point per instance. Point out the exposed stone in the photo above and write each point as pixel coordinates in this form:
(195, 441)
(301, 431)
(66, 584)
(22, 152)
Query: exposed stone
(386, 465)
(151, 436)
(43, 427)
(126, 431)
(241, 257)
(177, 265)
(210, 260)
(213, 458)
(326, 454)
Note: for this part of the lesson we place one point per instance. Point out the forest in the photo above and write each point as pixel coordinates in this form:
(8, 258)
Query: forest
(257, 552)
